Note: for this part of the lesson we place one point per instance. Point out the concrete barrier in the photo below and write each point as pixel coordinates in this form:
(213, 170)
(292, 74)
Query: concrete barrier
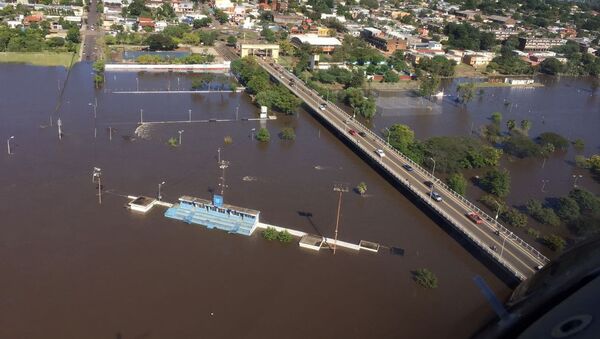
(223, 67)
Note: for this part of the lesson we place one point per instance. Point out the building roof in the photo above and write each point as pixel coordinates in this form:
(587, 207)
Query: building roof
(315, 40)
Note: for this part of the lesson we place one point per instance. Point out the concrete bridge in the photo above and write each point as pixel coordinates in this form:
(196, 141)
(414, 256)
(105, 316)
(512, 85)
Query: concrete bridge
(511, 252)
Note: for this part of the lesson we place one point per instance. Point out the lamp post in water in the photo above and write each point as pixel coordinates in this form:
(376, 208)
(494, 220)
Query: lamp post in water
(97, 177)
(340, 188)
(159, 193)
(575, 177)
(8, 144)
(180, 132)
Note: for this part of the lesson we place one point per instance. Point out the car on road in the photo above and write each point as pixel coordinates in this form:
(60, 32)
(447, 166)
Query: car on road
(362, 134)
(428, 183)
(352, 132)
(475, 218)
(436, 196)
(380, 153)
(322, 106)
(407, 167)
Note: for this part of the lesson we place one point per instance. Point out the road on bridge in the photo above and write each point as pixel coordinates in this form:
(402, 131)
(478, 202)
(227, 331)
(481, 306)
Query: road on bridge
(505, 247)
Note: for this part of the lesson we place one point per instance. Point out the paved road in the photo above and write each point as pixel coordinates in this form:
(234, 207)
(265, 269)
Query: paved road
(90, 33)
(500, 243)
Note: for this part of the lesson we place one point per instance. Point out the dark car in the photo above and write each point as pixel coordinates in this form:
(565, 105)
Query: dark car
(428, 183)
(362, 134)
(407, 167)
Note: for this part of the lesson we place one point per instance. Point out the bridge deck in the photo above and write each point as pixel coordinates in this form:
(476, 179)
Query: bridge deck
(511, 252)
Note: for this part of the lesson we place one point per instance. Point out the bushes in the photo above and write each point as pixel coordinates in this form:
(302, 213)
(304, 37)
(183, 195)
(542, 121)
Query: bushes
(272, 234)
(554, 242)
(542, 214)
(263, 135)
(558, 141)
(426, 278)
(361, 188)
(533, 232)
(514, 218)
(287, 133)
(457, 183)
(496, 182)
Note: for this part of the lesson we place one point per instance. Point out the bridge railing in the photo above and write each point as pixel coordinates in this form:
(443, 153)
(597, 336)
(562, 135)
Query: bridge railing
(512, 236)
(507, 233)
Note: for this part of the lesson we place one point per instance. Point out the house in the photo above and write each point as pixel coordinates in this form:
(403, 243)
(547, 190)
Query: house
(146, 22)
(324, 44)
(539, 44)
(383, 41)
(478, 59)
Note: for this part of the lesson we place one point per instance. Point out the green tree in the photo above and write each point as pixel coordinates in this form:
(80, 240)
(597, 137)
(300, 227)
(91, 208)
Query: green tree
(429, 86)
(542, 214)
(268, 34)
(270, 234)
(511, 124)
(551, 66)
(231, 40)
(426, 278)
(263, 135)
(457, 183)
(287, 133)
(554, 139)
(496, 182)
(567, 209)
(361, 188)
(525, 126)
(160, 42)
(200, 23)
(466, 92)
(497, 117)
(221, 16)
(73, 35)
(555, 242)
(401, 137)
(390, 76)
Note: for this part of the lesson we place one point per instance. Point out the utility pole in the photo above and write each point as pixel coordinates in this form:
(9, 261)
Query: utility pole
(59, 124)
(97, 177)
(159, 187)
(432, 176)
(8, 144)
(340, 188)
(497, 214)
(223, 166)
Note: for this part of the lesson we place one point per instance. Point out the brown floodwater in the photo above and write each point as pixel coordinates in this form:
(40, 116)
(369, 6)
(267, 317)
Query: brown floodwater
(71, 268)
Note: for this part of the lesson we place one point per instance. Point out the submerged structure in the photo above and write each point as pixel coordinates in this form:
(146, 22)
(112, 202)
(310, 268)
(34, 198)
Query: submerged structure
(215, 214)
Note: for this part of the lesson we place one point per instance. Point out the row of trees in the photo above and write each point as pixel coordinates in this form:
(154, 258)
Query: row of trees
(32, 40)
(258, 83)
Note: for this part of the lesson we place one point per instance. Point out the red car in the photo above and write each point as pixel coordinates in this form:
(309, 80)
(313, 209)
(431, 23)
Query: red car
(475, 218)
(352, 132)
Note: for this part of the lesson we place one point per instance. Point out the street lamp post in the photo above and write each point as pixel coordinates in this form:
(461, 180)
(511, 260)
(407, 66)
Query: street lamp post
(432, 176)
(497, 214)
(141, 115)
(8, 144)
(575, 177)
(180, 132)
(341, 188)
(503, 241)
(159, 193)
(190, 115)
(388, 135)
(544, 182)
(97, 174)
(252, 133)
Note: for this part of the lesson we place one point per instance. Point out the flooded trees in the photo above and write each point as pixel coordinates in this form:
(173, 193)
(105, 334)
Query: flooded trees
(263, 135)
(426, 278)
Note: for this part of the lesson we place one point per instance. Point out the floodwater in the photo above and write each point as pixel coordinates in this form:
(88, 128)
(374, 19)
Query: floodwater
(567, 106)
(72, 268)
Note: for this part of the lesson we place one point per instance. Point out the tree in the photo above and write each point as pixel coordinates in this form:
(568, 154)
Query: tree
(551, 66)
(567, 209)
(231, 40)
(160, 42)
(287, 133)
(525, 126)
(221, 16)
(268, 34)
(263, 135)
(466, 92)
(429, 86)
(497, 117)
(554, 139)
(208, 37)
(361, 188)
(555, 242)
(270, 234)
(390, 76)
(496, 182)
(73, 35)
(521, 146)
(542, 214)
(457, 183)
(401, 137)
(426, 278)
(511, 124)
(199, 23)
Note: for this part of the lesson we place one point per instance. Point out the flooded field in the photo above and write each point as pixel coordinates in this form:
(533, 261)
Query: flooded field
(72, 268)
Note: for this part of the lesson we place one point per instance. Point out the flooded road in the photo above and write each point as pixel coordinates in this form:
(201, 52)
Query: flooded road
(72, 268)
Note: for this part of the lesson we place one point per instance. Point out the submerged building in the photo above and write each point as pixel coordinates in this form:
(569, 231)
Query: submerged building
(214, 214)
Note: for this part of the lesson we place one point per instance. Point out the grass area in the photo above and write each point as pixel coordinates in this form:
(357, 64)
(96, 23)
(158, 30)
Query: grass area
(38, 59)
(466, 71)
(392, 86)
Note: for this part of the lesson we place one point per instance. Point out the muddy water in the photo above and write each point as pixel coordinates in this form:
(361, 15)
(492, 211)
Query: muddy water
(568, 106)
(71, 268)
